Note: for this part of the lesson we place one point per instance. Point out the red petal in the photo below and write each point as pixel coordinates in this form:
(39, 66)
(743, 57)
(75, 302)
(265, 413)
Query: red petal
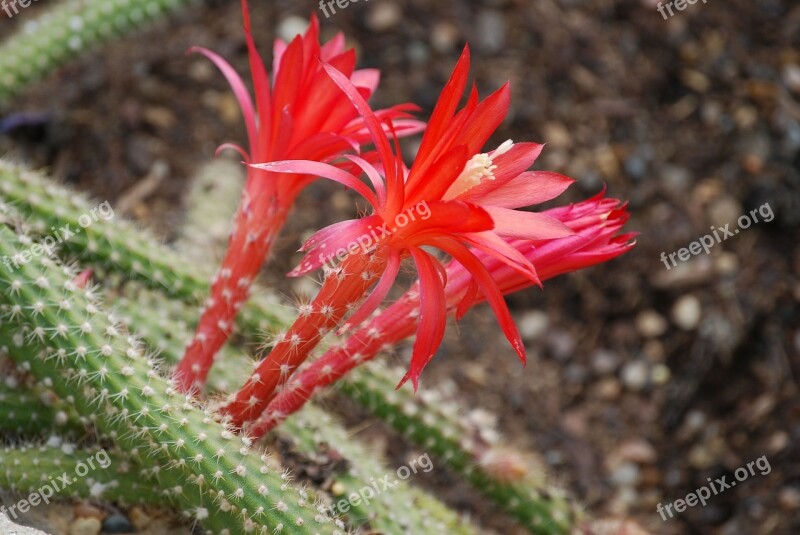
(527, 225)
(239, 91)
(260, 83)
(433, 316)
(526, 189)
(490, 290)
(394, 187)
(445, 106)
(379, 293)
(324, 170)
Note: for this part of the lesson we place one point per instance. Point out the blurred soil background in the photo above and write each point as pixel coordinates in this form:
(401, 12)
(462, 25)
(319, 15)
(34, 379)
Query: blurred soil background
(642, 382)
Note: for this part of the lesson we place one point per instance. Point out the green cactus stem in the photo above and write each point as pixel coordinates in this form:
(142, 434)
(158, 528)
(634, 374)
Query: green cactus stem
(393, 505)
(70, 344)
(62, 32)
(115, 245)
(32, 412)
(59, 469)
(467, 445)
(400, 510)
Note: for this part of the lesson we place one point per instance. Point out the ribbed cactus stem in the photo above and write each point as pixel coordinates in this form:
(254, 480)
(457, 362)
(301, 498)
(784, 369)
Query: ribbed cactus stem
(468, 446)
(393, 505)
(401, 509)
(58, 469)
(32, 412)
(60, 33)
(115, 245)
(69, 343)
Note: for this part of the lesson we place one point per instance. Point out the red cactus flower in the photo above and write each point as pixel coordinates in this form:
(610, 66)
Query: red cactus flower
(596, 223)
(453, 198)
(302, 116)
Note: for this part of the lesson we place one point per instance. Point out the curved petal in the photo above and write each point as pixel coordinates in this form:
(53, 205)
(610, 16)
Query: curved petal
(239, 91)
(490, 290)
(394, 186)
(378, 294)
(526, 189)
(527, 225)
(367, 79)
(372, 174)
(261, 85)
(500, 250)
(332, 243)
(234, 147)
(433, 316)
(324, 170)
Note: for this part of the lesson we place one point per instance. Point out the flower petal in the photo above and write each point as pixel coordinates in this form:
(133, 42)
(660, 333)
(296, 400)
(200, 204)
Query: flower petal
(526, 189)
(239, 91)
(378, 294)
(433, 316)
(307, 167)
(527, 225)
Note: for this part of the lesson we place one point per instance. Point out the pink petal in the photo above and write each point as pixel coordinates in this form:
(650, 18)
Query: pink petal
(394, 188)
(330, 242)
(239, 91)
(498, 248)
(526, 225)
(527, 189)
(233, 147)
(307, 167)
(379, 293)
(367, 79)
(372, 174)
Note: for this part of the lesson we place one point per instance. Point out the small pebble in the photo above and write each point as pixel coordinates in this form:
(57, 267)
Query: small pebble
(291, 26)
(638, 451)
(139, 518)
(627, 474)
(609, 388)
(604, 362)
(789, 498)
(532, 325)
(686, 312)
(490, 31)
(651, 324)
(444, 37)
(660, 374)
(561, 344)
(635, 375)
(85, 526)
(117, 523)
(87, 510)
(383, 16)
(791, 77)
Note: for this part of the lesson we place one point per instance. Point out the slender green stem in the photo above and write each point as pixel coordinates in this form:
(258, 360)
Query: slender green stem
(60, 33)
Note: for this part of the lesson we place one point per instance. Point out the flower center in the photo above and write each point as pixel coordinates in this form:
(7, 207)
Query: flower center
(478, 170)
